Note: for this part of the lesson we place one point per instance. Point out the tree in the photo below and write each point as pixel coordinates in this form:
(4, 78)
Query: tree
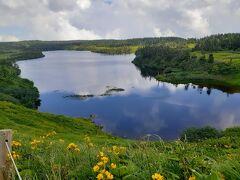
(202, 58)
(211, 58)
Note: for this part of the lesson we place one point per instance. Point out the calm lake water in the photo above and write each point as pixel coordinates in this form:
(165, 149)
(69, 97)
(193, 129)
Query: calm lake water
(145, 107)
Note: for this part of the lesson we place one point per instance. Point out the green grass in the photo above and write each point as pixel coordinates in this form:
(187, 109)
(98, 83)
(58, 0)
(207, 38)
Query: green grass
(107, 49)
(49, 158)
(222, 56)
(31, 122)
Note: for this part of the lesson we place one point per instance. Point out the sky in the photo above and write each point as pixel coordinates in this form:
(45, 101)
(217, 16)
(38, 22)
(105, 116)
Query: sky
(115, 19)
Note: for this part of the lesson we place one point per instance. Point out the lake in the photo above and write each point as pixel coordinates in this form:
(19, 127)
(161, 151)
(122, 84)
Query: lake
(86, 84)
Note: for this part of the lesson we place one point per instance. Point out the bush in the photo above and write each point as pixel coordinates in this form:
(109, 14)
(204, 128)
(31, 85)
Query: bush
(210, 58)
(199, 134)
(231, 132)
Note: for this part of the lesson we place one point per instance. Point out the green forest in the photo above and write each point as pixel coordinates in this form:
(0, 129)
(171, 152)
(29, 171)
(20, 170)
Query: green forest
(48, 146)
(214, 61)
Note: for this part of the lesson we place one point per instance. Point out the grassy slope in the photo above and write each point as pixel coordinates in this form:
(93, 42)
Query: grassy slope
(28, 122)
(50, 159)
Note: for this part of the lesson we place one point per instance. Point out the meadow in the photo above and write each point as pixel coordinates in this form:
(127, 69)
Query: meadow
(50, 146)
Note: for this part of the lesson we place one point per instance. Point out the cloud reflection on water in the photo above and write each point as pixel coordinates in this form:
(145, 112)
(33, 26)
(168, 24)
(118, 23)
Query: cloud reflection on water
(145, 107)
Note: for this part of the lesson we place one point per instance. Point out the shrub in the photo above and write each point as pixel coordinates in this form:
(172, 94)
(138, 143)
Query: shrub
(199, 134)
(235, 131)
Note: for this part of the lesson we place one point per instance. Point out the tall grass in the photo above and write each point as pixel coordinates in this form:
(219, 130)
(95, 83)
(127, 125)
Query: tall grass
(46, 157)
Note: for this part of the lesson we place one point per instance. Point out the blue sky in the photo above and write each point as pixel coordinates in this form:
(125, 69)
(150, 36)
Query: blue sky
(115, 19)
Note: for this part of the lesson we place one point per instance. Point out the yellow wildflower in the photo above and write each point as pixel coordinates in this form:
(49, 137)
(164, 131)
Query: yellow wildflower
(96, 168)
(35, 142)
(117, 150)
(100, 163)
(157, 176)
(16, 144)
(100, 176)
(103, 171)
(101, 154)
(192, 178)
(104, 159)
(113, 166)
(72, 147)
(109, 175)
(15, 155)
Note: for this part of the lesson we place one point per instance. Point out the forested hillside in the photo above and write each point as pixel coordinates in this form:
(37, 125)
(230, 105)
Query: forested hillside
(213, 62)
(219, 42)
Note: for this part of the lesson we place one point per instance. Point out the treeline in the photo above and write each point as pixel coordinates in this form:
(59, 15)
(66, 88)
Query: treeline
(200, 134)
(106, 50)
(86, 44)
(219, 42)
(153, 60)
(183, 66)
(12, 87)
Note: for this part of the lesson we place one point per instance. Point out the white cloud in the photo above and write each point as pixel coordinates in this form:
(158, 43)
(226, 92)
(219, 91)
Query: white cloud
(8, 38)
(115, 34)
(84, 4)
(90, 19)
(197, 22)
(159, 33)
(60, 28)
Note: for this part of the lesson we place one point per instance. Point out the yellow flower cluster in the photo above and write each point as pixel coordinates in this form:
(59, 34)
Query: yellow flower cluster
(88, 141)
(105, 175)
(35, 143)
(192, 178)
(101, 166)
(73, 147)
(15, 155)
(16, 144)
(49, 134)
(157, 176)
(118, 150)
